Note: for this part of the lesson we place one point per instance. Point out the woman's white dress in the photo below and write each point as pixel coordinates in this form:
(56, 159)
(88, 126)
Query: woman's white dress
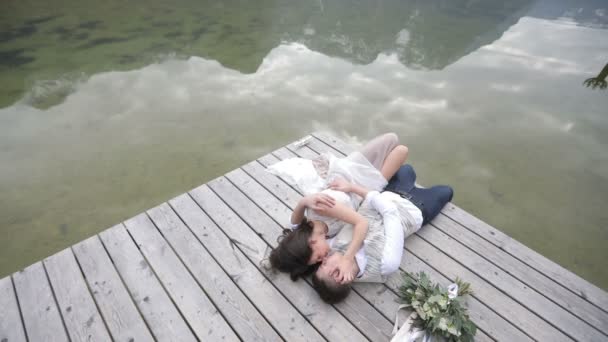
(354, 168)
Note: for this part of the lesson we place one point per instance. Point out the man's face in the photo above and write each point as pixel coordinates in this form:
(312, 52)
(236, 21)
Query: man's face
(329, 267)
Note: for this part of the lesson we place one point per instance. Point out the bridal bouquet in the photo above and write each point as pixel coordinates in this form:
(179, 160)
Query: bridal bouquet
(438, 313)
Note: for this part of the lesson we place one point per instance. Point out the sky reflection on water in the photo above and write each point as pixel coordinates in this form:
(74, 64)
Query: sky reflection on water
(508, 124)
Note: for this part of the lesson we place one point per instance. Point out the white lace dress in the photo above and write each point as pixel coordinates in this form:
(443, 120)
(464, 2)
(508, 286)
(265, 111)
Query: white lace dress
(354, 168)
(313, 176)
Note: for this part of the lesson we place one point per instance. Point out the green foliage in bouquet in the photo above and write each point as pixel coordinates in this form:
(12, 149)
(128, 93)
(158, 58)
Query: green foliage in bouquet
(435, 311)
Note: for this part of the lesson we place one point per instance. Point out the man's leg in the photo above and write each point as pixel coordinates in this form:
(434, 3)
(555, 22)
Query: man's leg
(404, 180)
(431, 200)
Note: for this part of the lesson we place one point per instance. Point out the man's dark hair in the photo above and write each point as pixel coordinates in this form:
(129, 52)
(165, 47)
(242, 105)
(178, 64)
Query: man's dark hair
(330, 291)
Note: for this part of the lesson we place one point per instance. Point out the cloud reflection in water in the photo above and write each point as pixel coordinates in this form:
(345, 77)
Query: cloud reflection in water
(491, 124)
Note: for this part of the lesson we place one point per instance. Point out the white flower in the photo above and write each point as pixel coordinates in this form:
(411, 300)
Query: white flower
(453, 291)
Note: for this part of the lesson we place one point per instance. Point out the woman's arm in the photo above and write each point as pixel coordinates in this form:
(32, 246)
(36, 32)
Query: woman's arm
(340, 184)
(316, 201)
(347, 214)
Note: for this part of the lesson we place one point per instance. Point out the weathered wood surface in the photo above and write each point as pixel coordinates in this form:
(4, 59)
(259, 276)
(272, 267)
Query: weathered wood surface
(155, 305)
(41, 316)
(80, 315)
(114, 301)
(248, 323)
(11, 328)
(194, 268)
(198, 310)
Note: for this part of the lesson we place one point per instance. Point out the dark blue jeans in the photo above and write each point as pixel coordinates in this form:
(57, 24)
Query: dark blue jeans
(428, 200)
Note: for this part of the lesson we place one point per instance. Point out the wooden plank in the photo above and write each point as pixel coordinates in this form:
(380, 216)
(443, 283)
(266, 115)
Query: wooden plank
(324, 317)
(334, 142)
(156, 307)
(228, 251)
(283, 153)
(529, 276)
(532, 300)
(486, 319)
(112, 298)
(200, 313)
(553, 271)
(41, 317)
(319, 147)
(367, 318)
(248, 323)
(11, 326)
(305, 152)
(80, 315)
(502, 304)
(281, 190)
(568, 280)
(381, 298)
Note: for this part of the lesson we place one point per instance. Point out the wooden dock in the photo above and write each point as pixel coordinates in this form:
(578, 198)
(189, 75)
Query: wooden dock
(189, 269)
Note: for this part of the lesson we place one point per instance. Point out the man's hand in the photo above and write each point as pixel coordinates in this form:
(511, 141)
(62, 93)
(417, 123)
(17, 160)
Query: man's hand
(319, 201)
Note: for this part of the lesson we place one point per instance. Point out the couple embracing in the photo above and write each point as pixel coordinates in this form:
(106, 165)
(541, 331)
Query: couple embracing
(354, 229)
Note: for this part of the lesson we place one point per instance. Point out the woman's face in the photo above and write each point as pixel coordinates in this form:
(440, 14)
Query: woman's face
(318, 243)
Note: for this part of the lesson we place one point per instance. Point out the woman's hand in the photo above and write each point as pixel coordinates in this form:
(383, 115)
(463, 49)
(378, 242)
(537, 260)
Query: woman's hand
(340, 184)
(345, 274)
(319, 201)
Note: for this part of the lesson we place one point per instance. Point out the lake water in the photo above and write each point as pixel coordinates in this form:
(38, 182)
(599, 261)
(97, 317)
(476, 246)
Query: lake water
(110, 108)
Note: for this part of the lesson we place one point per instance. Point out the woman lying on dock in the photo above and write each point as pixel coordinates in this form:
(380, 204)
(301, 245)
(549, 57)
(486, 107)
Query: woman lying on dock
(324, 214)
(392, 216)
(302, 249)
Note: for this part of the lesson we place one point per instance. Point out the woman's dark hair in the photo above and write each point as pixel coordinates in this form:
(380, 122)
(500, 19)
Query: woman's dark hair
(330, 291)
(293, 252)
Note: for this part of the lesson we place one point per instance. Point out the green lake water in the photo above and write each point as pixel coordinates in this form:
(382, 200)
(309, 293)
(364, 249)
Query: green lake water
(110, 108)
